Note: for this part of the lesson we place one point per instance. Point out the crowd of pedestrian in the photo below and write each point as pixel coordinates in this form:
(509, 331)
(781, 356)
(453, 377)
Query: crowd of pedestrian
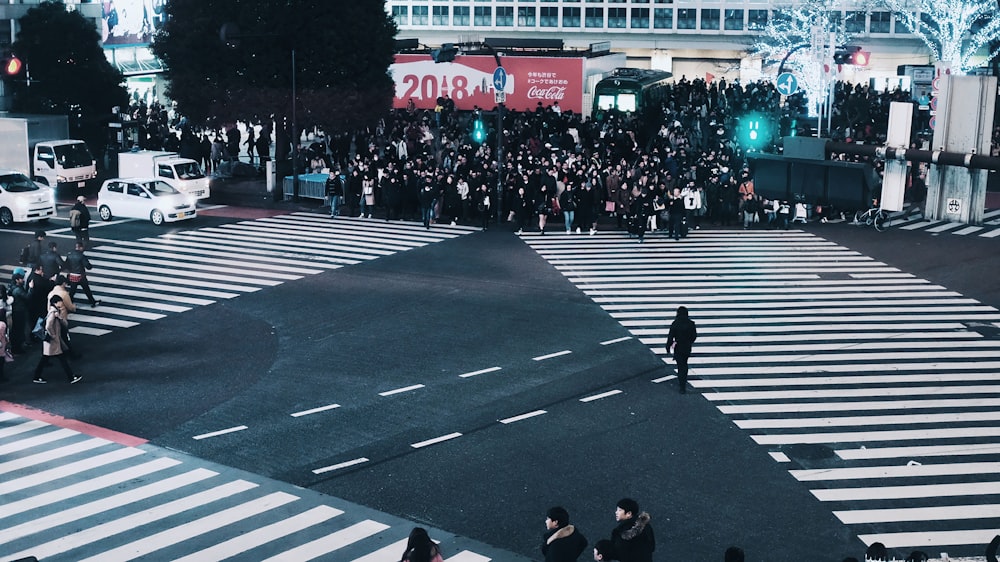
(38, 302)
(671, 171)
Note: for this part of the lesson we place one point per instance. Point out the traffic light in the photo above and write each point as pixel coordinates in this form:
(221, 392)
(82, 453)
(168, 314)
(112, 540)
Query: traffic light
(754, 131)
(478, 130)
(446, 53)
(853, 55)
(12, 66)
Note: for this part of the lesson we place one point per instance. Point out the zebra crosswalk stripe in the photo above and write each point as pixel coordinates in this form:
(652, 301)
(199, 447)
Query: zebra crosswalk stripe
(71, 497)
(806, 344)
(149, 279)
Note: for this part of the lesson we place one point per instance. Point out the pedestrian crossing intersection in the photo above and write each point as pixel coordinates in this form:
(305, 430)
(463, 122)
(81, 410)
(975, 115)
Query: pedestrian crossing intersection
(150, 278)
(69, 496)
(877, 389)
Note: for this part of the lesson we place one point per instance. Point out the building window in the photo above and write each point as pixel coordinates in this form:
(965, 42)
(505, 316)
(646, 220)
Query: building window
(461, 16)
(439, 15)
(401, 14)
(616, 18)
(880, 22)
(549, 17)
(756, 20)
(854, 22)
(420, 15)
(525, 16)
(505, 16)
(663, 18)
(687, 18)
(710, 18)
(571, 17)
(640, 18)
(664, 1)
(484, 16)
(734, 20)
(595, 17)
(900, 26)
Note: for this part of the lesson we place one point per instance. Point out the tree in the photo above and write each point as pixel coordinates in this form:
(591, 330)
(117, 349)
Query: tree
(342, 50)
(954, 30)
(69, 73)
(804, 36)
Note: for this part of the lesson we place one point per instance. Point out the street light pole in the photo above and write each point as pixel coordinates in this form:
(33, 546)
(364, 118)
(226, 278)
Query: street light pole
(295, 137)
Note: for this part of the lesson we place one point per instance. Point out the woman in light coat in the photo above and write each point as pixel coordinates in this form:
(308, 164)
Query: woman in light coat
(53, 345)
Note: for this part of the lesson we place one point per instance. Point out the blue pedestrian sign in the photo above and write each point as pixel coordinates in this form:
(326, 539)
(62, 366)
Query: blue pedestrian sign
(499, 79)
(787, 84)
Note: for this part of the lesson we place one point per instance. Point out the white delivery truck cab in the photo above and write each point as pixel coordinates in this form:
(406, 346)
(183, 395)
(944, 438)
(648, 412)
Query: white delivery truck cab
(183, 174)
(39, 147)
(22, 200)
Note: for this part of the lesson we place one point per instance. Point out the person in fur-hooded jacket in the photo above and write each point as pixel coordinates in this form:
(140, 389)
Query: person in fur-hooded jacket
(562, 542)
(633, 537)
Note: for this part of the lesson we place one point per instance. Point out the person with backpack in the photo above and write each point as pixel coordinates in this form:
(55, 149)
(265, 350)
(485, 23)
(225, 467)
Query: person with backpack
(32, 253)
(79, 220)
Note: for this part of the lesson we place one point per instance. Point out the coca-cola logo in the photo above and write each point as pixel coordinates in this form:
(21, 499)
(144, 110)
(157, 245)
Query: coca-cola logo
(551, 93)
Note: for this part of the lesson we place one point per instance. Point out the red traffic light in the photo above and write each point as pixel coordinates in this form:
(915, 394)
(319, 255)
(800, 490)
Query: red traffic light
(13, 66)
(852, 54)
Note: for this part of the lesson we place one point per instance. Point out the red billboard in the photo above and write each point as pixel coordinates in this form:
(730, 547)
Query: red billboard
(469, 81)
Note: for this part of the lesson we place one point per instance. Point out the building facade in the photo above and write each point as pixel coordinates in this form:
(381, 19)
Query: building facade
(686, 37)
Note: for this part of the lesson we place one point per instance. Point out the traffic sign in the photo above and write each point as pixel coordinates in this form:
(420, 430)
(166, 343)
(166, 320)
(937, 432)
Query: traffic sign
(787, 84)
(499, 96)
(499, 79)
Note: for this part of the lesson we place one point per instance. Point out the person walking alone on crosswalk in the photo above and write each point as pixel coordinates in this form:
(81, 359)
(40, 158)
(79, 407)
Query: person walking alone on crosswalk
(679, 341)
(420, 548)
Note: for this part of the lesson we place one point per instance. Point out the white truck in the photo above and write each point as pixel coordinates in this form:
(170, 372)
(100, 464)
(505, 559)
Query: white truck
(39, 147)
(183, 174)
(22, 200)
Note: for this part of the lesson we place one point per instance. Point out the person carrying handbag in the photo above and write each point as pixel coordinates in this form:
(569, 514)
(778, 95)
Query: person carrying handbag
(52, 345)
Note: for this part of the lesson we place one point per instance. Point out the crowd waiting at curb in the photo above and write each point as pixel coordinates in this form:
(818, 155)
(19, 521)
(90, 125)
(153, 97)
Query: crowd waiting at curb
(672, 172)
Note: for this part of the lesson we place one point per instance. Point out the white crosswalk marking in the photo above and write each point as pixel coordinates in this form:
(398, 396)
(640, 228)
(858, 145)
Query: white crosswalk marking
(69, 497)
(151, 278)
(852, 373)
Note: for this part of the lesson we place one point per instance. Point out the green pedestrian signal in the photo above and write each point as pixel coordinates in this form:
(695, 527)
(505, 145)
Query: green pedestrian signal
(478, 131)
(754, 132)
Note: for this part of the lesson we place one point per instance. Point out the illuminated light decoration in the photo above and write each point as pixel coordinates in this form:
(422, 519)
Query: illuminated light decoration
(955, 31)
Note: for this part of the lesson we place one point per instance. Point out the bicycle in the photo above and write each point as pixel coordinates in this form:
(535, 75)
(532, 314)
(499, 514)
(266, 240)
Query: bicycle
(873, 217)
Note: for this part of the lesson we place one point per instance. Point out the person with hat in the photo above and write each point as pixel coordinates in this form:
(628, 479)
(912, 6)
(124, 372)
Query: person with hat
(79, 220)
(53, 345)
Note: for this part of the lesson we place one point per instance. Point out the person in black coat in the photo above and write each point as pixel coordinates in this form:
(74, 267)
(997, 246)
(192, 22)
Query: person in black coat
(52, 263)
(562, 542)
(679, 340)
(633, 537)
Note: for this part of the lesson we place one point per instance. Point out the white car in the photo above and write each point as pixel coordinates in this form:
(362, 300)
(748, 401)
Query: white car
(143, 198)
(22, 200)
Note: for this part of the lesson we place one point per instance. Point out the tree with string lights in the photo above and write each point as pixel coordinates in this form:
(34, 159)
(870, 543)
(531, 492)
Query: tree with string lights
(955, 31)
(798, 37)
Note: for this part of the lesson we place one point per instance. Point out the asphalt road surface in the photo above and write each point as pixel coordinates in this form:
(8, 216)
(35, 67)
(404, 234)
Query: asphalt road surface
(468, 381)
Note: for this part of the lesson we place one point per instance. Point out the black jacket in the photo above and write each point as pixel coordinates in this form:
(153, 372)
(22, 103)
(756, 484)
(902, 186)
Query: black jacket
(633, 539)
(565, 544)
